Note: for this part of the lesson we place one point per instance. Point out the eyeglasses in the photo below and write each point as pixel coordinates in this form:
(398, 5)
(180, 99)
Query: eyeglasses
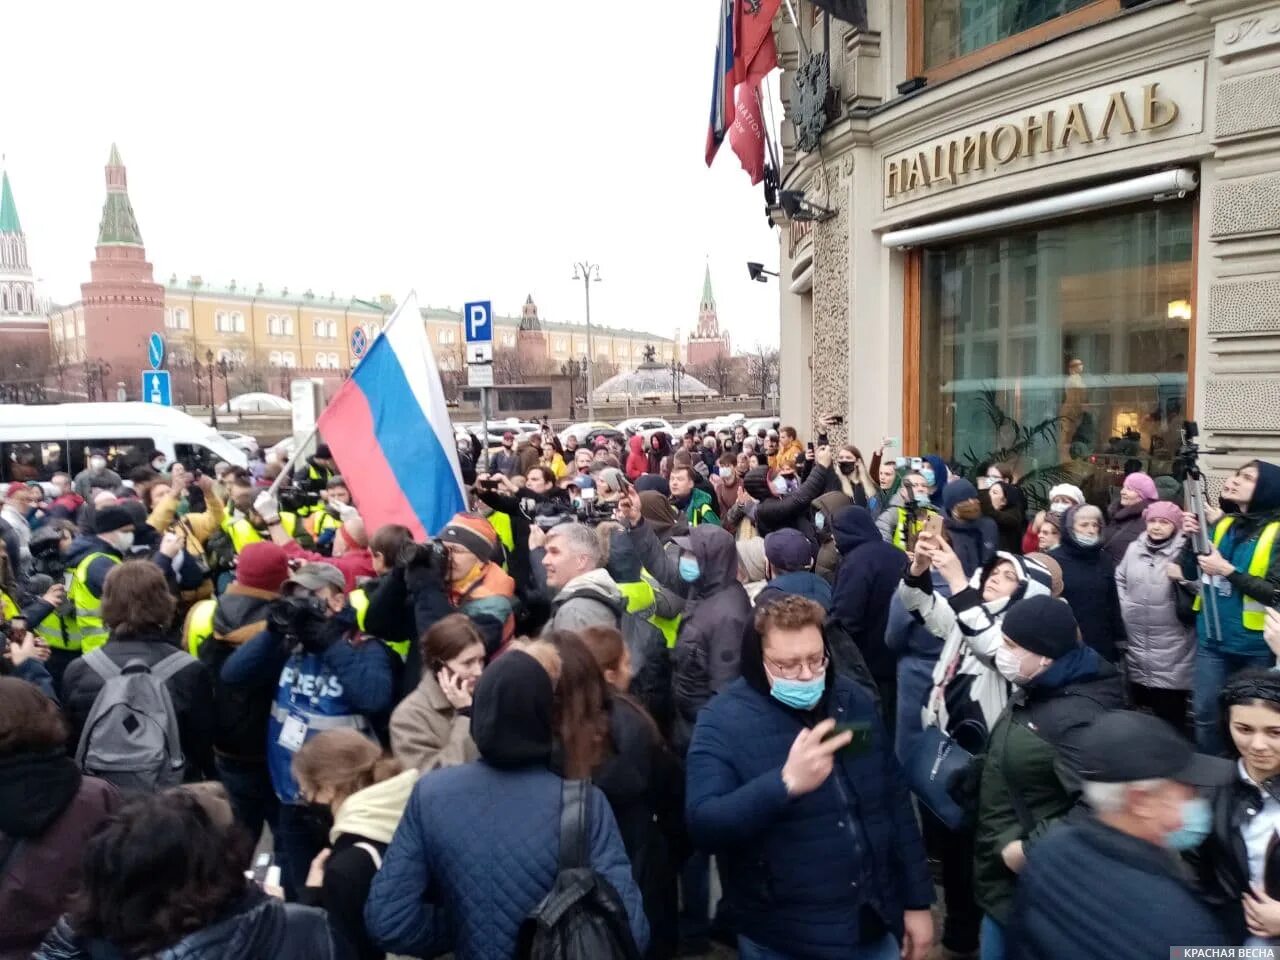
(792, 670)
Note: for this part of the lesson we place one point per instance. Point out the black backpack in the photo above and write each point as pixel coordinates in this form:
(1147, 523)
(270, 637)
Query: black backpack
(582, 918)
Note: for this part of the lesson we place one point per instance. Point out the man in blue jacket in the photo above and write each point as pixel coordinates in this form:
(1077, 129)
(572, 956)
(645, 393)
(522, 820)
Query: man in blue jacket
(792, 782)
(330, 676)
(479, 844)
(789, 557)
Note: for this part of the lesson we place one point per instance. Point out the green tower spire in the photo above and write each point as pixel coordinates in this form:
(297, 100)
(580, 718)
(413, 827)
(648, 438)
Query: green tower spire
(8, 211)
(708, 297)
(118, 226)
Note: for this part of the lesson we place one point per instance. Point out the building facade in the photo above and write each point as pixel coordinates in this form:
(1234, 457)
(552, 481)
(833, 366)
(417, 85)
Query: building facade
(22, 325)
(707, 344)
(1043, 233)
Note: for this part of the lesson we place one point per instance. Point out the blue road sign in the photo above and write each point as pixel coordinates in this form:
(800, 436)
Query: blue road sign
(155, 387)
(359, 342)
(155, 351)
(478, 319)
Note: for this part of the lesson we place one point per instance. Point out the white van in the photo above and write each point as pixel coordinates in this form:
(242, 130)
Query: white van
(41, 440)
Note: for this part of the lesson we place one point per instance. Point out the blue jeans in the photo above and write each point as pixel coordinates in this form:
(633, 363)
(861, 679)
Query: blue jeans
(253, 799)
(992, 947)
(886, 949)
(1213, 667)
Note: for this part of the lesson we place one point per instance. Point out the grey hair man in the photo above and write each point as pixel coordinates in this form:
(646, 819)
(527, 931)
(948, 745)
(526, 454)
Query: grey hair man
(587, 596)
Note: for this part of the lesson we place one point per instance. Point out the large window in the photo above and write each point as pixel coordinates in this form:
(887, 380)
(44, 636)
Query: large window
(1060, 350)
(951, 36)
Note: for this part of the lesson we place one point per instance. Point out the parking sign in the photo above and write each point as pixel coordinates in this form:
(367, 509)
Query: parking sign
(477, 324)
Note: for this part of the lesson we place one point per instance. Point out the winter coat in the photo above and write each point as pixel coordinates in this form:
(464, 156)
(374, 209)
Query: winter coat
(1034, 749)
(1089, 586)
(797, 873)
(190, 689)
(659, 450)
(427, 732)
(941, 475)
(870, 571)
(49, 811)
(800, 583)
(826, 507)
(709, 642)
(355, 565)
(258, 928)
(1162, 649)
(367, 818)
(196, 528)
(637, 462)
(87, 481)
(966, 684)
(1124, 525)
(589, 600)
(482, 883)
(974, 541)
(1147, 900)
(96, 575)
(240, 712)
(775, 513)
(1011, 521)
(644, 784)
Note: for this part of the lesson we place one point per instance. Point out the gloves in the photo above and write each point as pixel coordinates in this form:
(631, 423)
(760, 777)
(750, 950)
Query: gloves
(343, 511)
(267, 507)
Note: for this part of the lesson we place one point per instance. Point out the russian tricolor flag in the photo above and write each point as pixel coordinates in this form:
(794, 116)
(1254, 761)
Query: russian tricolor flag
(723, 83)
(389, 430)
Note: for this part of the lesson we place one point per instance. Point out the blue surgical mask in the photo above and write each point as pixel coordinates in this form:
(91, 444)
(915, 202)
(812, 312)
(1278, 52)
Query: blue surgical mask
(820, 522)
(922, 498)
(1197, 823)
(780, 485)
(689, 570)
(929, 476)
(1087, 539)
(798, 694)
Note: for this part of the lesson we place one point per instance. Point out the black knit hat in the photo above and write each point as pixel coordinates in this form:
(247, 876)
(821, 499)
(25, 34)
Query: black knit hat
(1042, 625)
(111, 519)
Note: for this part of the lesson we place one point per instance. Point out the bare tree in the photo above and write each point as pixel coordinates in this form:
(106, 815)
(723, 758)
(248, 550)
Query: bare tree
(716, 372)
(252, 377)
(511, 365)
(762, 370)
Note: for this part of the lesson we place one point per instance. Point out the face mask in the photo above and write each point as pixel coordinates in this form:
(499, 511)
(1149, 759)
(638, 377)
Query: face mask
(922, 498)
(798, 694)
(123, 542)
(1087, 539)
(1197, 823)
(1009, 664)
(984, 483)
(847, 467)
(157, 465)
(689, 571)
(1058, 507)
(779, 485)
(727, 473)
(97, 463)
(820, 522)
(929, 476)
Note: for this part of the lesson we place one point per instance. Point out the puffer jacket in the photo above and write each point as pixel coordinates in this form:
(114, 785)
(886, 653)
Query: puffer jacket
(258, 928)
(709, 642)
(1034, 749)
(825, 509)
(637, 462)
(1162, 649)
(50, 811)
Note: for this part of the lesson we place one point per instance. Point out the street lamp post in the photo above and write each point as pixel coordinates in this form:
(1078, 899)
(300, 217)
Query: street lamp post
(213, 396)
(570, 370)
(677, 371)
(588, 272)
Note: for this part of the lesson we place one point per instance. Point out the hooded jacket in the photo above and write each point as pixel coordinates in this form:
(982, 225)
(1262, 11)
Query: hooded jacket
(941, 475)
(50, 811)
(966, 684)
(1162, 649)
(659, 450)
(591, 599)
(709, 643)
(1089, 586)
(483, 883)
(259, 927)
(1034, 749)
(792, 510)
(799, 583)
(367, 818)
(870, 571)
(826, 507)
(801, 874)
(637, 462)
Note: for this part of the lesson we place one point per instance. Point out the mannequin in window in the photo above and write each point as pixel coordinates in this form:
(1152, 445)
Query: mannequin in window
(1072, 409)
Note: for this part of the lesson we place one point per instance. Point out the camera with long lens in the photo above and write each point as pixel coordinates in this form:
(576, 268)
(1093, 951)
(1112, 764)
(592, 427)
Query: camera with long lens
(46, 557)
(432, 555)
(298, 619)
(1186, 463)
(296, 500)
(593, 512)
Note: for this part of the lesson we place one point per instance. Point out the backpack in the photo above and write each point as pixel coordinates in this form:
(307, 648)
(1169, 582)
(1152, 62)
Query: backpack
(131, 736)
(582, 918)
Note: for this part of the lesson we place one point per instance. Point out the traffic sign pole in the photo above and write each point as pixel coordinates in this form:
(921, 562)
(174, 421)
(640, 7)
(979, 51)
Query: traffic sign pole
(478, 324)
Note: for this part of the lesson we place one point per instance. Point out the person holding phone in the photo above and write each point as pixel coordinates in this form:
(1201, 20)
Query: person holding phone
(791, 775)
(431, 727)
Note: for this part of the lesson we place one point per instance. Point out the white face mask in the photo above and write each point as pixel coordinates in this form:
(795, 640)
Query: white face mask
(97, 463)
(123, 541)
(1010, 666)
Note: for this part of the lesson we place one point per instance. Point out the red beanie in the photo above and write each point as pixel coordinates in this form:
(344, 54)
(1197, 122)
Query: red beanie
(262, 566)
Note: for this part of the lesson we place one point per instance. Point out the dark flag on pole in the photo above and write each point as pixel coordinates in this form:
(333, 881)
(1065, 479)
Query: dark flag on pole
(853, 12)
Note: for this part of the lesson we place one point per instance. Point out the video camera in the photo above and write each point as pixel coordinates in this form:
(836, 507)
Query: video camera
(299, 620)
(432, 555)
(296, 500)
(594, 512)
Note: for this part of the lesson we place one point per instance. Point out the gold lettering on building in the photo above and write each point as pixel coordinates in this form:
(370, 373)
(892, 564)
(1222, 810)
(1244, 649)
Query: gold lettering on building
(1077, 126)
(1117, 106)
(1014, 141)
(1037, 134)
(1153, 107)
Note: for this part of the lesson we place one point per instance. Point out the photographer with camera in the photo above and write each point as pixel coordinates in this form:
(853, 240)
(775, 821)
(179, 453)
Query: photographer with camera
(350, 547)
(328, 675)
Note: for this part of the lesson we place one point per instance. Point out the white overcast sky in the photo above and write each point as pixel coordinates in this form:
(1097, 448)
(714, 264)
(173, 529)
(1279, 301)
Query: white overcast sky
(470, 150)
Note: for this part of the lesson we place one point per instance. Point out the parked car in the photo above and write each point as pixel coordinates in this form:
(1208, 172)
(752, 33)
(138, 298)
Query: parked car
(646, 427)
(241, 441)
(760, 423)
(583, 430)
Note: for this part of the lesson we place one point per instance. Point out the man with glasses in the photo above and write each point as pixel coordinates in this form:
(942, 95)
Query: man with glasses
(793, 785)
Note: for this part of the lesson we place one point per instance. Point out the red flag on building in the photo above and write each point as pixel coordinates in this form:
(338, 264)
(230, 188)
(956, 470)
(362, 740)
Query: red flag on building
(746, 136)
(754, 51)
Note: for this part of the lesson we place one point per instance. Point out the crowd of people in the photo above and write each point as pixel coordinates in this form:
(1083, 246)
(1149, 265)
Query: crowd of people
(632, 665)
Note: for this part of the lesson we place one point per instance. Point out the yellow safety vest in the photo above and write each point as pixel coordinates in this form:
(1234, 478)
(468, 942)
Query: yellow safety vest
(320, 523)
(1255, 614)
(501, 524)
(89, 632)
(900, 535)
(359, 600)
(199, 626)
(50, 629)
(670, 626)
(8, 607)
(243, 533)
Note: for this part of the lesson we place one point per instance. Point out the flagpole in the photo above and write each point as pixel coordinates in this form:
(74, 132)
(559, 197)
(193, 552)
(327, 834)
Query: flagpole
(795, 22)
(315, 431)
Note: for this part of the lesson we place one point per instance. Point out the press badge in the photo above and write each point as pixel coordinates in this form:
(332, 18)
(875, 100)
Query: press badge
(293, 733)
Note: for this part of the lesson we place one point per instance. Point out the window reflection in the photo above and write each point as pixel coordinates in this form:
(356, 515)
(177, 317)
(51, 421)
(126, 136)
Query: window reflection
(953, 28)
